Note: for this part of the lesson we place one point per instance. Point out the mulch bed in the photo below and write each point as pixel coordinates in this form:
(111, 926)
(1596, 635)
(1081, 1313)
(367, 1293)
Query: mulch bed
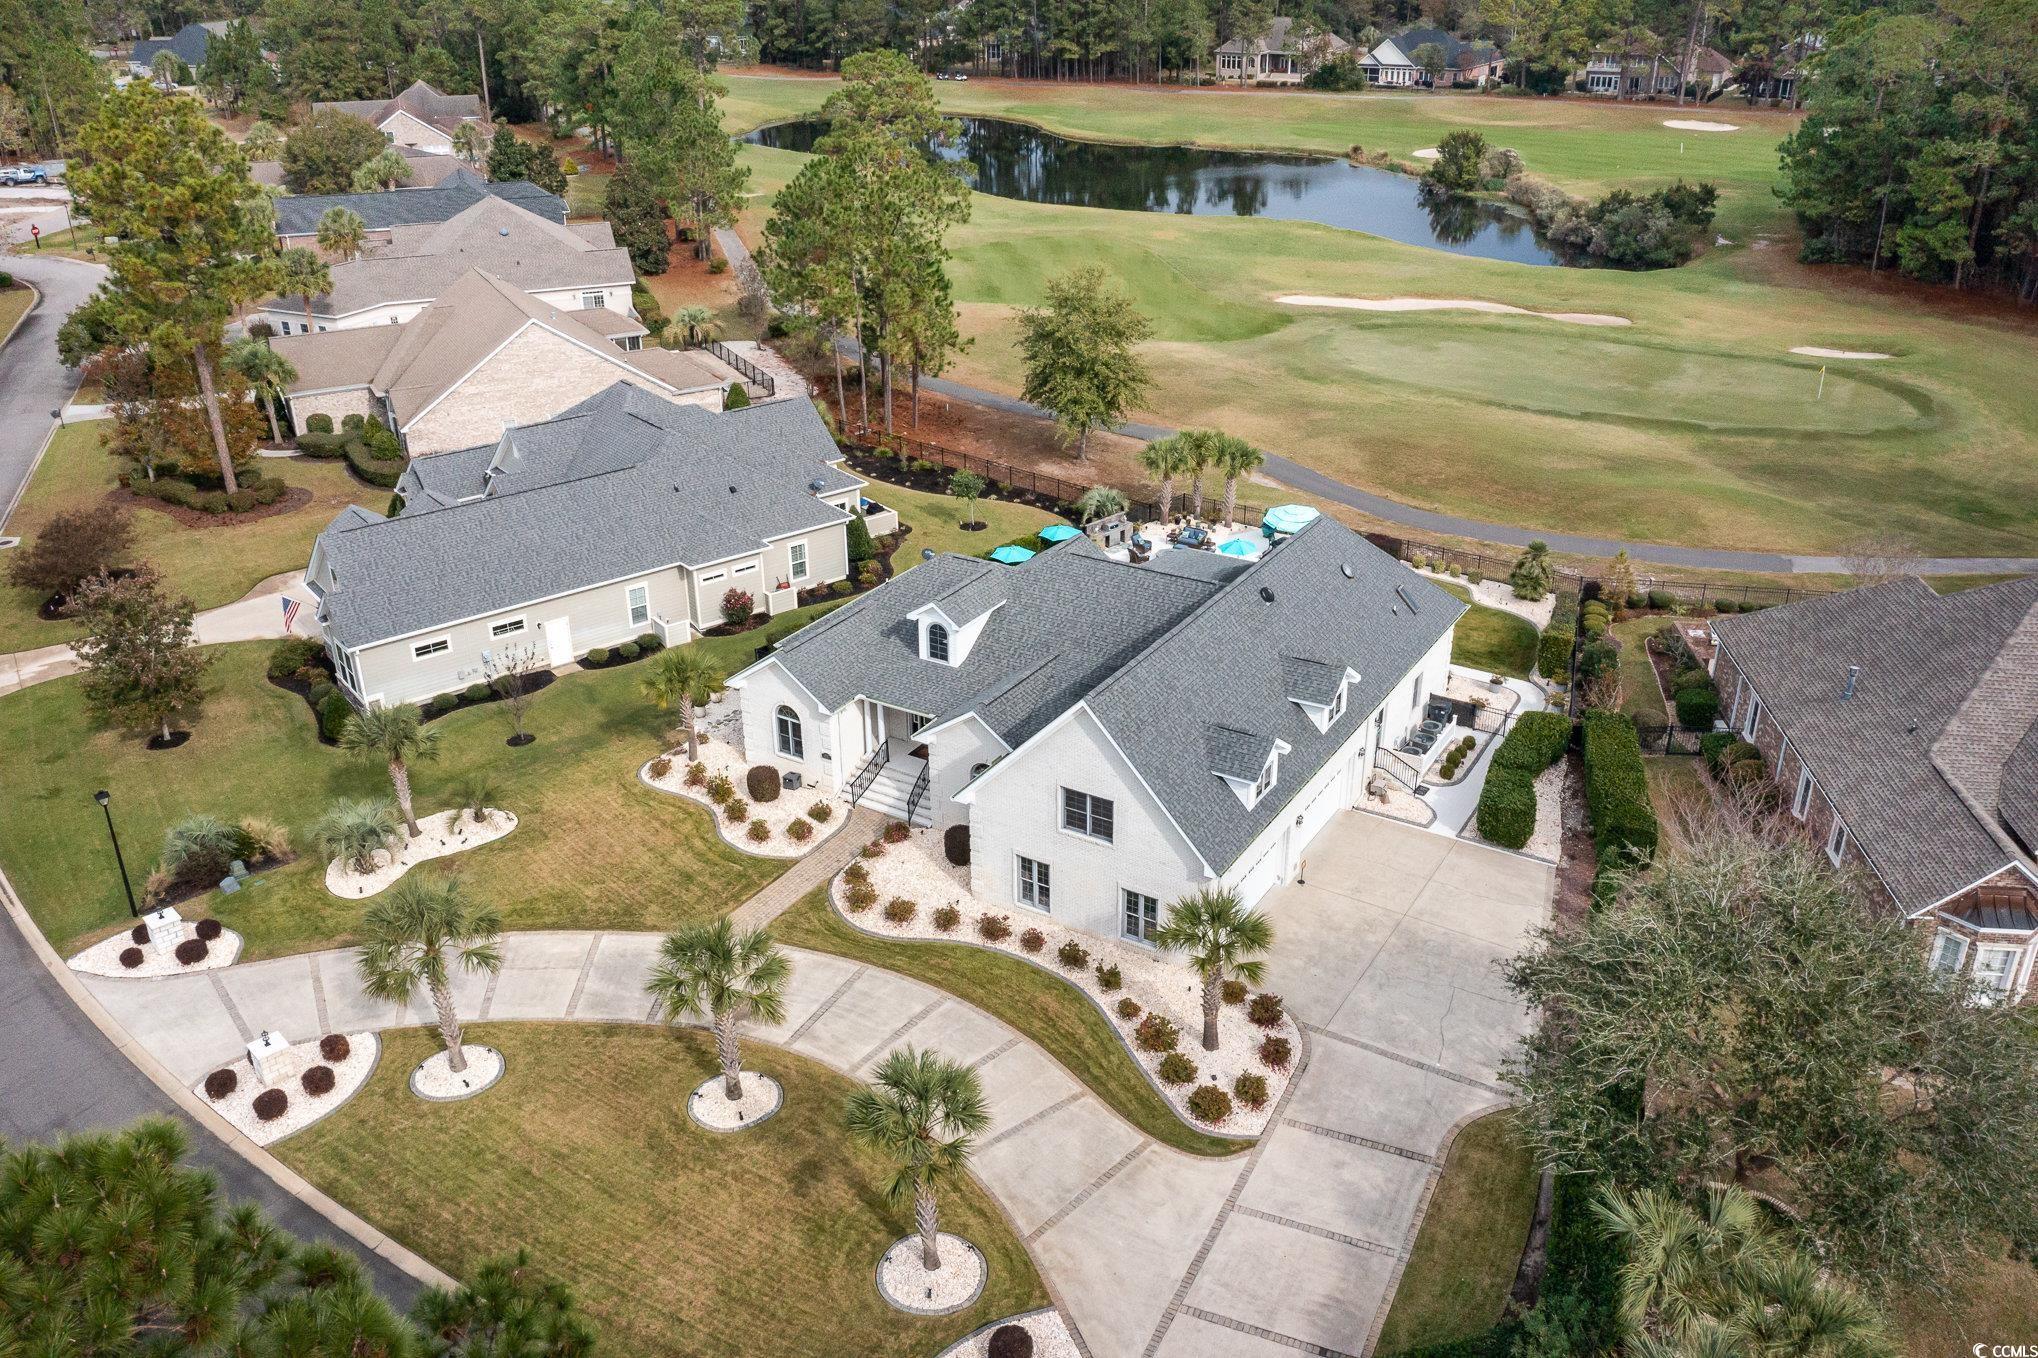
(296, 498)
(1578, 859)
(898, 471)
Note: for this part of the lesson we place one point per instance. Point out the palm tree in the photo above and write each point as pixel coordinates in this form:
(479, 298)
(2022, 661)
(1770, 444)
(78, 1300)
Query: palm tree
(696, 320)
(406, 938)
(469, 141)
(712, 972)
(1196, 448)
(263, 141)
(302, 273)
(341, 232)
(267, 371)
(164, 67)
(398, 736)
(683, 678)
(1100, 502)
(1222, 938)
(925, 1112)
(353, 830)
(385, 170)
(1164, 460)
(1233, 457)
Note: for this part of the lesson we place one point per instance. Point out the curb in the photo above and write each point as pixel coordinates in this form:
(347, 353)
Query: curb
(366, 1236)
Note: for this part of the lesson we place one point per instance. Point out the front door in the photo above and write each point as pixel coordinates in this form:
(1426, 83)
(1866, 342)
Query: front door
(558, 642)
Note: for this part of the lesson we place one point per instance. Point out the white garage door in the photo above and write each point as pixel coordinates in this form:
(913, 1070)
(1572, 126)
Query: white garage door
(1318, 812)
(1264, 874)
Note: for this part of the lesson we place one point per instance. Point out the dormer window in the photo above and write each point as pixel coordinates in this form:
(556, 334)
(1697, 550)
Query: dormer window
(937, 642)
(1337, 706)
(1267, 776)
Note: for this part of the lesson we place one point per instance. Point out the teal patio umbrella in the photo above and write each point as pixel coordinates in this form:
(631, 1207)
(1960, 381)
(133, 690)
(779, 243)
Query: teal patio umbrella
(1287, 519)
(1059, 532)
(1009, 555)
(1237, 547)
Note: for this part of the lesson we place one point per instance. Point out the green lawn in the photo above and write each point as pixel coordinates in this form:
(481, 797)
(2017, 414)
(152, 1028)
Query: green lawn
(14, 303)
(937, 522)
(212, 565)
(1641, 695)
(1493, 639)
(595, 849)
(1465, 1258)
(1694, 424)
(1049, 1011)
(676, 1240)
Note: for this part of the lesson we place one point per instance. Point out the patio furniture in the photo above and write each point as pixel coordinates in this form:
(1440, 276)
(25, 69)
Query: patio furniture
(1198, 538)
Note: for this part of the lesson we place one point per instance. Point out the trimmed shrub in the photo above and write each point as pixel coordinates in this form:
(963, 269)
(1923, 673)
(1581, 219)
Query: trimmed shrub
(130, 958)
(320, 423)
(598, 656)
(1662, 598)
(333, 714)
(1553, 653)
(1251, 1090)
(441, 703)
(354, 423)
(1073, 955)
(628, 651)
(1232, 991)
(897, 832)
(1109, 978)
(1536, 741)
(955, 845)
(209, 929)
(138, 934)
(298, 653)
(318, 1080)
(856, 874)
(1617, 786)
(720, 789)
(474, 693)
(696, 774)
(737, 810)
(761, 782)
(1033, 940)
(648, 643)
(1156, 1033)
(994, 928)
(946, 917)
(1275, 1053)
(1128, 1008)
(191, 951)
(660, 766)
(799, 829)
(758, 832)
(1176, 1069)
(221, 1083)
(820, 812)
(335, 1047)
(874, 849)
(1010, 1341)
(1714, 746)
(1697, 707)
(1266, 1010)
(860, 897)
(1507, 808)
(270, 1103)
(899, 910)
(1209, 1104)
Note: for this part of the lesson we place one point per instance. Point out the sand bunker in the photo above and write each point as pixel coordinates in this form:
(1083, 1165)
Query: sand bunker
(1699, 125)
(1450, 304)
(1426, 153)
(1813, 351)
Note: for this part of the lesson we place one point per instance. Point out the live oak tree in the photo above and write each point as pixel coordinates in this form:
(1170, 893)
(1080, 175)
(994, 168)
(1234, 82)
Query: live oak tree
(1742, 1014)
(1079, 349)
(195, 240)
(142, 663)
(326, 148)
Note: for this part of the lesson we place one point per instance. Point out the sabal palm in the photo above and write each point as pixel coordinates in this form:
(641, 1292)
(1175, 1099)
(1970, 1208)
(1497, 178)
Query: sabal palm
(682, 678)
(925, 1112)
(407, 938)
(1100, 502)
(353, 830)
(263, 141)
(302, 273)
(1164, 460)
(341, 232)
(267, 371)
(697, 321)
(1233, 457)
(1223, 939)
(1196, 451)
(711, 972)
(399, 737)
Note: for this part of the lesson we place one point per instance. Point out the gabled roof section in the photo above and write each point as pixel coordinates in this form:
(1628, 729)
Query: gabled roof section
(1281, 37)
(1312, 681)
(442, 111)
(298, 214)
(1235, 754)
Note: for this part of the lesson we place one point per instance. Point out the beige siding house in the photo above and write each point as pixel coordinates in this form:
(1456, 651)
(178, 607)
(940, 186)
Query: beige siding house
(627, 516)
(419, 117)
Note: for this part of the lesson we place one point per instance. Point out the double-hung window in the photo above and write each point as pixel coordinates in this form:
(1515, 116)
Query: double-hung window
(1033, 883)
(594, 301)
(1754, 717)
(1802, 802)
(792, 739)
(1995, 969)
(1267, 776)
(1948, 952)
(1087, 815)
(640, 605)
(1142, 915)
(1337, 707)
(1836, 842)
(798, 555)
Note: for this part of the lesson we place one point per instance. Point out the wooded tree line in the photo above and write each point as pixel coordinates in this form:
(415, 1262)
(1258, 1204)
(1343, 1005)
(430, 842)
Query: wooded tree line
(1920, 149)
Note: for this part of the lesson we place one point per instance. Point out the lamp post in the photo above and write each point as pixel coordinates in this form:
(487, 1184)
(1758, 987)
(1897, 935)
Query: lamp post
(105, 799)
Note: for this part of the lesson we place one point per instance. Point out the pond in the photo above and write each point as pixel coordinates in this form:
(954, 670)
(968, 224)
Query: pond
(1014, 160)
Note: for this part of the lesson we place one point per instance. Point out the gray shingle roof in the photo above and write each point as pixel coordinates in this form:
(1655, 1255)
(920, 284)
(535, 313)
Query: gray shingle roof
(1198, 565)
(1275, 39)
(1457, 52)
(190, 43)
(1914, 769)
(298, 214)
(420, 101)
(571, 512)
(1312, 681)
(1237, 754)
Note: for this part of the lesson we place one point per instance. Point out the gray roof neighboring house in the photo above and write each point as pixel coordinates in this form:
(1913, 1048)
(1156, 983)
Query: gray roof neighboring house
(1279, 37)
(621, 485)
(1933, 760)
(442, 111)
(189, 43)
(1191, 678)
(1459, 55)
(521, 248)
(298, 214)
(427, 169)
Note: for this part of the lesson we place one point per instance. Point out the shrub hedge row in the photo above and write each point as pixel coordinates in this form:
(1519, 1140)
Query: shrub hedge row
(1617, 787)
(1553, 654)
(1507, 803)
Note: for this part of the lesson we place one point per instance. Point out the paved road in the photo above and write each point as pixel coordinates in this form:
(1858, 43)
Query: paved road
(59, 1073)
(32, 382)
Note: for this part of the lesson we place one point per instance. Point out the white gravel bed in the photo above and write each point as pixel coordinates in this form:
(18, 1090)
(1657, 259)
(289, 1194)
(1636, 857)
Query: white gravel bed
(364, 1050)
(439, 835)
(1161, 983)
(103, 957)
(1448, 304)
(1700, 125)
(1814, 351)
(1499, 594)
(1547, 841)
(1051, 1337)
(1392, 799)
(434, 1078)
(722, 752)
(907, 1286)
(711, 1107)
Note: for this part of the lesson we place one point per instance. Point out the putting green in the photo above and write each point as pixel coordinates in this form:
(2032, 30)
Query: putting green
(1522, 366)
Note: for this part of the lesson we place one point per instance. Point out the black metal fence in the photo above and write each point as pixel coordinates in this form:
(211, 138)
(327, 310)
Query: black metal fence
(1682, 588)
(752, 374)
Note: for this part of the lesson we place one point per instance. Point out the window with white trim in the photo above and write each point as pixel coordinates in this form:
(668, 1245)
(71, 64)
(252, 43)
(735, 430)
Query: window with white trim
(792, 737)
(797, 553)
(1267, 776)
(937, 642)
(594, 301)
(1754, 718)
(640, 604)
(345, 666)
(1337, 707)
(1033, 883)
(1995, 969)
(506, 629)
(1836, 842)
(1087, 815)
(917, 723)
(436, 646)
(1802, 802)
(1948, 952)
(286, 327)
(1141, 915)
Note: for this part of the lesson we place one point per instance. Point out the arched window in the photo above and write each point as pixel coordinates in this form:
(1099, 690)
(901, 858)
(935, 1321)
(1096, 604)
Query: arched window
(792, 741)
(937, 642)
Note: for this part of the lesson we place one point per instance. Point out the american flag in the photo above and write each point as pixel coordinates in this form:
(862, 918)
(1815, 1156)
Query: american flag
(290, 607)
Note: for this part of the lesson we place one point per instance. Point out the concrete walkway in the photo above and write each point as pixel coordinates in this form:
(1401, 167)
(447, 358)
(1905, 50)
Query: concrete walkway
(255, 616)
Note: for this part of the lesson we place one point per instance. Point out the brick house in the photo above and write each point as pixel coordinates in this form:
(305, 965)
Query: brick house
(1901, 728)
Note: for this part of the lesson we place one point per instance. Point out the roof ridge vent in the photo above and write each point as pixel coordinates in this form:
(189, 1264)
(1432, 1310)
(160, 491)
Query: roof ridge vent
(1412, 609)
